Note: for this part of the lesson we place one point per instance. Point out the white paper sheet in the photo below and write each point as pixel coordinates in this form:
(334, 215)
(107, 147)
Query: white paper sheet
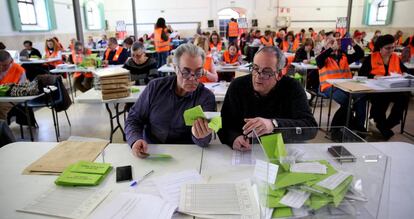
(308, 167)
(333, 181)
(132, 206)
(217, 199)
(242, 158)
(266, 171)
(295, 198)
(67, 202)
(169, 185)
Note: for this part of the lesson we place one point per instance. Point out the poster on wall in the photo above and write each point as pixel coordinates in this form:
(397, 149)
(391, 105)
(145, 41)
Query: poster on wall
(341, 25)
(120, 29)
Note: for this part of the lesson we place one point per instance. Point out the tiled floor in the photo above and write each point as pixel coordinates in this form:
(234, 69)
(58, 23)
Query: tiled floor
(91, 120)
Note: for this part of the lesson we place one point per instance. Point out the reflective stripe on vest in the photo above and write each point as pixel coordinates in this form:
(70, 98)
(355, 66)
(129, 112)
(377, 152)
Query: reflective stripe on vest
(13, 74)
(378, 64)
(233, 29)
(332, 70)
(160, 44)
(117, 53)
(228, 59)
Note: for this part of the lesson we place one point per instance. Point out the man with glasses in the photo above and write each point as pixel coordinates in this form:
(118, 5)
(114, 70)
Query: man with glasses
(10, 73)
(157, 116)
(263, 101)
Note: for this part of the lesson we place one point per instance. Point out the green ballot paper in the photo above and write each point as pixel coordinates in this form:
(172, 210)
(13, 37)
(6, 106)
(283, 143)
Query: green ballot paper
(134, 90)
(159, 156)
(275, 149)
(83, 173)
(191, 115)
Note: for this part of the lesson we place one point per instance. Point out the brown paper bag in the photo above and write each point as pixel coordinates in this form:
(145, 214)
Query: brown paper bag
(65, 153)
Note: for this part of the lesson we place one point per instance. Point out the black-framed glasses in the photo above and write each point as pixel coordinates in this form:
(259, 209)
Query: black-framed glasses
(265, 73)
(187, 73)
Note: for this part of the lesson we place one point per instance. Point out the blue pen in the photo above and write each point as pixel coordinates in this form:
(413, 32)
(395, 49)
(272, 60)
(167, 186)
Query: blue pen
(135, 182)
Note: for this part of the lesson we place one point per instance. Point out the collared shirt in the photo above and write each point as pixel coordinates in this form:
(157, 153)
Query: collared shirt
(157, 116)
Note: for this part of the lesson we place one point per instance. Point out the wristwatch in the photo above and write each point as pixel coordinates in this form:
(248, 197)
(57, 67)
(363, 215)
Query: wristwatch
(274, 122)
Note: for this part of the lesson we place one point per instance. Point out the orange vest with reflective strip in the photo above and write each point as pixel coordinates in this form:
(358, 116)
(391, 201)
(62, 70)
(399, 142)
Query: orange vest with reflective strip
(54, 54)
(233, 29)
(78, 59)
(160, 44)
(411, 46)
(13, 74)
(378, 64)
(399, 41)
(219, 46)
(371, 46)
(207, 66)
(117, 53)
(285, 45)
(331, 70)
(267, 42)
(228, 59)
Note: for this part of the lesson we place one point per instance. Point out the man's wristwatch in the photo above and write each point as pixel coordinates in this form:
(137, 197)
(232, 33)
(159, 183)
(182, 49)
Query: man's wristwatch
(274, 122)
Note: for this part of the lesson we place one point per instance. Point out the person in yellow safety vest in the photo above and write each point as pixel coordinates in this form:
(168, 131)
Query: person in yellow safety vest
(333, 63)
(382, 62)
(161, 42)
(267, 39)
(114, 54)
(81, 81)
(232, 31)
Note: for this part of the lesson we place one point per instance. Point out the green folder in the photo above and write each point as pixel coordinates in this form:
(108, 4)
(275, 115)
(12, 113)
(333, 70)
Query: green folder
(282, 212)
(83, 173)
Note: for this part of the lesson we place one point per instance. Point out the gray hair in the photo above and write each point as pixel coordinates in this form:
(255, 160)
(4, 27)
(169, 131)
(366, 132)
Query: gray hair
(4, 55)
(191, 50)
(137, 46)
(281, 59)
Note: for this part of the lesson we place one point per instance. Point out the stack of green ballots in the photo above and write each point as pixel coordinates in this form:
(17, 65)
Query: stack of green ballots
(84, 173)
(318, 189)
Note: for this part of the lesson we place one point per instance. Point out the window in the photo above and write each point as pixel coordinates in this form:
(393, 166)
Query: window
(27, 12)
(32, 15)
(94, 14)
(377, 12)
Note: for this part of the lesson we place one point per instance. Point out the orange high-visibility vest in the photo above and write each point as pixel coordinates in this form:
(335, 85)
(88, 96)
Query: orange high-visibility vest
(314, 35)
(160, 44)
(116, 56)
(378, 64)
(219, 46)
(13, 74)
(78, 59)
(399, 41)
(285, 45)
(411, 46)
(233, 29)
(289, 61)
(207, 66)
(331, 70)
(267, 42)
(228, 59)
(54, 54)
(371, 46)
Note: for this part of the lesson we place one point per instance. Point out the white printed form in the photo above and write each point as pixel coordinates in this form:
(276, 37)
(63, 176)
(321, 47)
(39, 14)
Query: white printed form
(266, 171)
(169, 185)
(295, 198)
(308, 167)
(242, 158)
(334, 181)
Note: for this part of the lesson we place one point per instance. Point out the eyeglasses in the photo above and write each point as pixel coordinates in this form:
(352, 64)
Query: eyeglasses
(186, 73)
(265, 73)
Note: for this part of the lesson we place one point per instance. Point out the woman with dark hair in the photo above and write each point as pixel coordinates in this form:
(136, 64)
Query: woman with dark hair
(371, 44)
(305, 52)
(290, 44)
(215, 42)
(161, 41)
(142, 67)
(232, 56)
(398, 38)
(382, 62)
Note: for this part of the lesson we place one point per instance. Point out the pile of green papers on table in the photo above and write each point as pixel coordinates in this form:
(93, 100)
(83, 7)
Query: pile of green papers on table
(214, 118)
(310, 184)
(84, 173)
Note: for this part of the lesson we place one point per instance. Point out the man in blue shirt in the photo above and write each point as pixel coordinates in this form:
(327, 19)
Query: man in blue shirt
(157, 116)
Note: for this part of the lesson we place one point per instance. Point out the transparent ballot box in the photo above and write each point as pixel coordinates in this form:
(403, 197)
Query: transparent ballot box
(309, 173)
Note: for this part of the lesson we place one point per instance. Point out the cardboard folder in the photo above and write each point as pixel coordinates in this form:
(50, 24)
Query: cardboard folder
(64, 154)
(353, 86)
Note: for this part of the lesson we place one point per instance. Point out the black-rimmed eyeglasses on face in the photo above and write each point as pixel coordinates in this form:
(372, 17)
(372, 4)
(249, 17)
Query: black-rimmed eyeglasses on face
(264, 74)
(187, 73)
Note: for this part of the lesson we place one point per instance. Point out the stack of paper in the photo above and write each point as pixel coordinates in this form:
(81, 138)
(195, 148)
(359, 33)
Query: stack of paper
(114, 82)
(84, 173)
(299, 185)
(225, 200)
(393, 82)
(131, 206)
(214, 118)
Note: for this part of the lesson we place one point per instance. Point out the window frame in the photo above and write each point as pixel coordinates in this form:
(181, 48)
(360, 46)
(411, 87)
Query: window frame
(34, 10)
(367, 12)
(101, 14)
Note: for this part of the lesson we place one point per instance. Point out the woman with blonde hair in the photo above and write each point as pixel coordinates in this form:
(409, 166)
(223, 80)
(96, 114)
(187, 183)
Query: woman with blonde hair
(210, 73)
